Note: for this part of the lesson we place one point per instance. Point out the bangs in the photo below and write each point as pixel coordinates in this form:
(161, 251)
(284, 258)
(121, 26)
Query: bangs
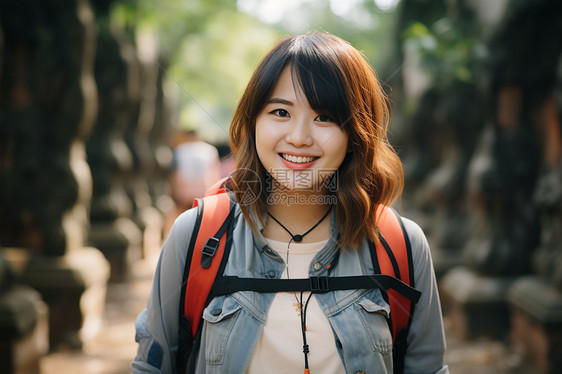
(316, 68)
(321, 80)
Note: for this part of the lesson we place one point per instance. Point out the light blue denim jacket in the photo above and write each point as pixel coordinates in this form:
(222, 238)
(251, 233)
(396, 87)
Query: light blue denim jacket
(233, 323)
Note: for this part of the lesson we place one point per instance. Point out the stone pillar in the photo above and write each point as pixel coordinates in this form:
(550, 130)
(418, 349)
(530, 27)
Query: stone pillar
(160, 139)
(442, 195)
(145, 214)
(505, 168)
(410, 84)
(536, 300)
(536, 322)
(112, 229)
(24, 326)
(441, 133)
(48, 102)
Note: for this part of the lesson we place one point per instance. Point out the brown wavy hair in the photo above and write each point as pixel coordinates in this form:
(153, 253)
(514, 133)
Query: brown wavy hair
(337, 79)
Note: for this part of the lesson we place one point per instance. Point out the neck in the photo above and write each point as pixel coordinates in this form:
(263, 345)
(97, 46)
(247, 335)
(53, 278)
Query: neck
(298, 219)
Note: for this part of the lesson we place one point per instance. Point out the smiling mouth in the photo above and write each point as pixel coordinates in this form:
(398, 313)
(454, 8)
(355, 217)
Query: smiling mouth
(298, 159)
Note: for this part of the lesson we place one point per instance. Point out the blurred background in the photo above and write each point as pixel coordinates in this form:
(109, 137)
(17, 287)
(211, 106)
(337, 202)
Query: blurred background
(97, 96)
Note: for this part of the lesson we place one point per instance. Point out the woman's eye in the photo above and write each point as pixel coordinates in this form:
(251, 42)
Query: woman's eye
(280, 113)
(324, 118)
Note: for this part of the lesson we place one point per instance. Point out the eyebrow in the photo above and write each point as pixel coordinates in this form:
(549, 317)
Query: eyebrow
(276, 100)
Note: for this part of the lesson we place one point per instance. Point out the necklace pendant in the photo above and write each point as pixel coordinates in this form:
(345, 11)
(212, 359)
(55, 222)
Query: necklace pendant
(298, 307)
(297, 238)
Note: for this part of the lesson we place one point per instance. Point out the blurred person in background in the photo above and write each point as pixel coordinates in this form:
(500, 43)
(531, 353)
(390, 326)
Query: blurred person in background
(196, 167)
(228, 162)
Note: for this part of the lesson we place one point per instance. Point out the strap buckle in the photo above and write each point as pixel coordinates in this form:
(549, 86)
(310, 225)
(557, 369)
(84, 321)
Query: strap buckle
(210, 247)
(319, 284)
(208, 252)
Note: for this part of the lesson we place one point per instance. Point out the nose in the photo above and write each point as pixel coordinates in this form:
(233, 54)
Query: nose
(299, 133)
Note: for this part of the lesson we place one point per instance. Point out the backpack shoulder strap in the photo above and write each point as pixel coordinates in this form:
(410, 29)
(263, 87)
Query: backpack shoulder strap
(394, 258)
(209, 245)
(203, 260)
(218, 187)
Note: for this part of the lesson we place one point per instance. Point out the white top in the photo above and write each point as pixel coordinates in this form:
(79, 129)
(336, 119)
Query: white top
(280, 348)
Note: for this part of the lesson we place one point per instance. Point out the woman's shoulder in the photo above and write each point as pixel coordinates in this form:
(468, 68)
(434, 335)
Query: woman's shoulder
(183, 225)
(186, 219)
(412, 228)
(417, 238)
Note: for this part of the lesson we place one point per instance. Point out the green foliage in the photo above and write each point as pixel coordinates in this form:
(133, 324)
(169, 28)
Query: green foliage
(172, 20)
(213, 67)
(360, 22)
(209, 48)
(447, 53)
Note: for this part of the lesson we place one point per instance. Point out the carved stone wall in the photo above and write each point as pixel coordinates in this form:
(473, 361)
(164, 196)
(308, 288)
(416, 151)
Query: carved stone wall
(48, 104)
(512, 275)
(521, 77)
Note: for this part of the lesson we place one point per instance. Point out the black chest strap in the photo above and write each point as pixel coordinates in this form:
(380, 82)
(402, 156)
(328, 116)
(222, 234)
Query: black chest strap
(229, 284)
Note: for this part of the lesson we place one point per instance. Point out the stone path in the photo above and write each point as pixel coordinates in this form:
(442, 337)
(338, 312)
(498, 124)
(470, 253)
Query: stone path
(115, 347)
(482, 356)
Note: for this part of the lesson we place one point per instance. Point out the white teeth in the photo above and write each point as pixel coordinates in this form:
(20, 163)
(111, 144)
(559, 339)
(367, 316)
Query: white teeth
(297, 159)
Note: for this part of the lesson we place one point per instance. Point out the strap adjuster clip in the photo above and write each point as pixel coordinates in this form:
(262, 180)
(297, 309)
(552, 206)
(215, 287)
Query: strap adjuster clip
(210, 247)
(319, 284)
(208, 252)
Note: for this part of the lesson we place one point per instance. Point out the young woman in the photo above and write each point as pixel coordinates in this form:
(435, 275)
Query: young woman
(313, 165)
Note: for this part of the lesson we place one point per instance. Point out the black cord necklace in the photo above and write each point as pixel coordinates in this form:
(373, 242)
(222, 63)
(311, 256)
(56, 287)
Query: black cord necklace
(302, 313)
(298, 237)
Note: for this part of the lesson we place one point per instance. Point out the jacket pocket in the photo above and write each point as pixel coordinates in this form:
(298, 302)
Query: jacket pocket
(220, 316)
(374, 313)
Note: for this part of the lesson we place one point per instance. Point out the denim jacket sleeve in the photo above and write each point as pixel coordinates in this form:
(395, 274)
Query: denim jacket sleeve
(157, 325)
(426, 339)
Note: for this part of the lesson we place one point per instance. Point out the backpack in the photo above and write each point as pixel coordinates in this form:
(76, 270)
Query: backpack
(209, 249)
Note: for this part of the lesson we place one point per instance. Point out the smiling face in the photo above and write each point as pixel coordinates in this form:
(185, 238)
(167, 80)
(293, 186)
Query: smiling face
(297, 145)
(269, 133)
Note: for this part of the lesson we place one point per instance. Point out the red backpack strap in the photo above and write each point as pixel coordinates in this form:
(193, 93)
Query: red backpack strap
(394, 256)
(217, 188)
(204, 258)
(216, 209)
